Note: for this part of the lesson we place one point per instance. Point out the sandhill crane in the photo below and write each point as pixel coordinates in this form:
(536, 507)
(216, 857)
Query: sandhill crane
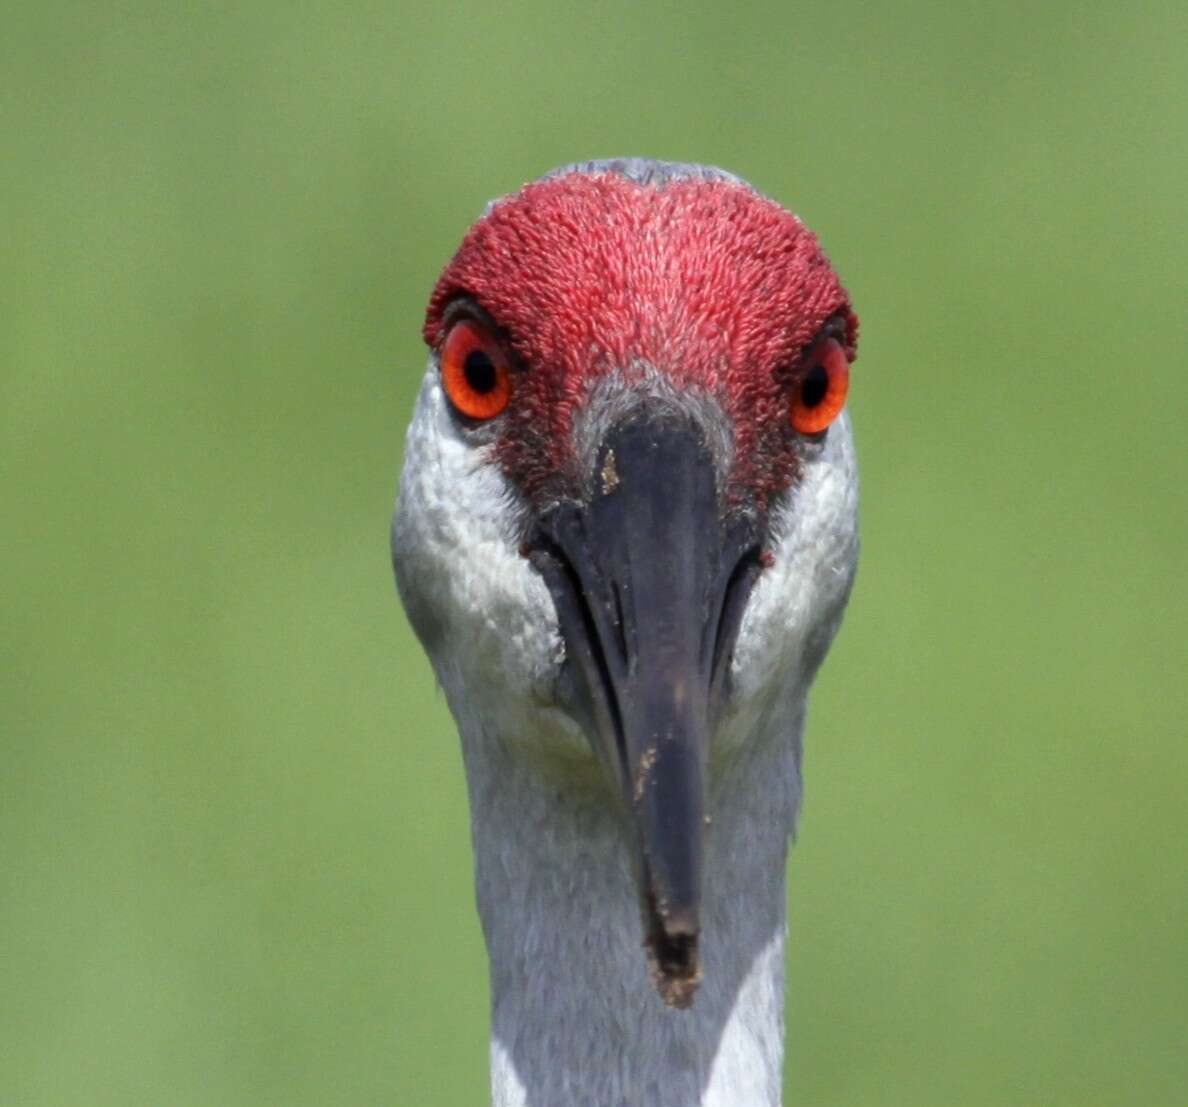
(625, 535)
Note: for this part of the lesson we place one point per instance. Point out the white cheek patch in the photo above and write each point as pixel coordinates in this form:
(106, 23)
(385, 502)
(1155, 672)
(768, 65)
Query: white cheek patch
(799, 599)
(484, 613)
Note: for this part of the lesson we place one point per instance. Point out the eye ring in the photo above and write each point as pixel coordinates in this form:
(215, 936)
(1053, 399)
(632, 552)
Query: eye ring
(820, 390)
(475, 371)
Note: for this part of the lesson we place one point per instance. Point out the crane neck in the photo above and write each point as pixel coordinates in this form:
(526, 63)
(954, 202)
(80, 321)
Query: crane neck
(575, 1019)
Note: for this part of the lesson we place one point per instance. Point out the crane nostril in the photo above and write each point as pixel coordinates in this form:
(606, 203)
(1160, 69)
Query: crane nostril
(733, 605)
(620, 626)
(585, 648)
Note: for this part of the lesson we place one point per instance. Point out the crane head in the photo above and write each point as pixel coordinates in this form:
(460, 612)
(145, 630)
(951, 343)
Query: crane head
(627, 528)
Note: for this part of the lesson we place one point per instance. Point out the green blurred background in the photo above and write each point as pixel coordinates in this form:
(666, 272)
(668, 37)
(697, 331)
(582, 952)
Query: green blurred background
(234, 856)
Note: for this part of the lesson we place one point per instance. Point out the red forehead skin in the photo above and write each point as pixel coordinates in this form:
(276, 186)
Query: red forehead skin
(705, 281)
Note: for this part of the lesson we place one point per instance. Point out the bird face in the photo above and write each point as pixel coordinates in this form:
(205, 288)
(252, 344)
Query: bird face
(626, 529)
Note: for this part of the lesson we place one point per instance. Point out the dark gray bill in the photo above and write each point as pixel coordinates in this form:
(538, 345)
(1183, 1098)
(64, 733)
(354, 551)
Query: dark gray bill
(650, 579)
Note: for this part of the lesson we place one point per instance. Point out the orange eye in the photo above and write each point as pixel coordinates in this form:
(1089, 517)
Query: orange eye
(821, 389)
(474, 371)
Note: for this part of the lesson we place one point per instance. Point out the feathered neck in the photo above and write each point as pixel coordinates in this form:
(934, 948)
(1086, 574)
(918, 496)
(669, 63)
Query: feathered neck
(575, 1019)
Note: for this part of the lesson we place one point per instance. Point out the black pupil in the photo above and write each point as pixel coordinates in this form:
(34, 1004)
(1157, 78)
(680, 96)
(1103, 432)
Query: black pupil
(814, 387)
(480, 371)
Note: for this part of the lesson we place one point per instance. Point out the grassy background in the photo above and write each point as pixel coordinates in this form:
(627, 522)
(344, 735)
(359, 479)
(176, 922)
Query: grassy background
(234, 859)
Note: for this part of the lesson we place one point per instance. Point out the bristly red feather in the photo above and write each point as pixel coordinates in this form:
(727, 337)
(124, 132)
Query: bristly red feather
(705, 281)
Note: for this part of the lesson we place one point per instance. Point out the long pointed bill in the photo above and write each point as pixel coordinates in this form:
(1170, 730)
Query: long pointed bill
(650, 580)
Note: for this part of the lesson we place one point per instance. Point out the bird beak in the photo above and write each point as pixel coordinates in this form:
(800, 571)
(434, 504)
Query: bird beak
(650, 577)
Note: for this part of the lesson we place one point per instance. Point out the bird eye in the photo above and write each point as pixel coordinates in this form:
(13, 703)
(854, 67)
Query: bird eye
(820, 391)
(475, 371)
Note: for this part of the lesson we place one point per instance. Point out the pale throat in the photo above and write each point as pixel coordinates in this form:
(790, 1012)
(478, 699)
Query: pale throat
(575, 1018)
